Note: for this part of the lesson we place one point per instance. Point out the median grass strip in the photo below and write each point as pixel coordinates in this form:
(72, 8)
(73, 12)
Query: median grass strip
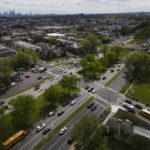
(115, 77)
(67, 120)
(57, 59)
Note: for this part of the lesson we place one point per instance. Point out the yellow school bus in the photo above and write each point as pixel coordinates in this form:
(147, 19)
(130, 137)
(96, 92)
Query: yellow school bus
(14, 139)
(145, 112)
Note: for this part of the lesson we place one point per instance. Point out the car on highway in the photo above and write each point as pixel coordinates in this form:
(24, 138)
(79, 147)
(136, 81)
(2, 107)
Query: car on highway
(127, 106)
(94, 90)
(90, 89)
(40, 127)
(90, 105)
(27, 76)
(131, 110)
(127, 101)
(73, 102)
(2, 102)
(65, 103)
(70, 141)
(93, 107)
(46, 130)
(37, 87)
(52, 79)
(60, 112)
(104, 78)
(41, 89)
(138, 106)
(77, 95)
(52, 113)
(63, 130)
(39, 78)
(87, 87)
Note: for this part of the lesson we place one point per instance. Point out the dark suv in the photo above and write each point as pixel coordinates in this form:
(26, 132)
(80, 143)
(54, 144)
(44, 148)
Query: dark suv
(90, 105)
(61, 112)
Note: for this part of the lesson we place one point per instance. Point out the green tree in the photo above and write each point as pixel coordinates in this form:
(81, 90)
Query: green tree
(104, 48)
(88, 134)
(23, 107)
(21, 60)
(139, 62)
(117, 49)
(5, 74)
(104, 61)
(53, 94)
(68, 82)
(112, 57)
(89, 44)
(2, 110)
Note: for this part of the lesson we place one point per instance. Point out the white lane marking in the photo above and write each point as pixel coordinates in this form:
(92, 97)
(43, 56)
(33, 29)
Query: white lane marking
(99, 103)
(60, 138)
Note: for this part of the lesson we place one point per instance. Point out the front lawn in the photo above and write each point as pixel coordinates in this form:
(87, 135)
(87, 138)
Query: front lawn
(141, 91)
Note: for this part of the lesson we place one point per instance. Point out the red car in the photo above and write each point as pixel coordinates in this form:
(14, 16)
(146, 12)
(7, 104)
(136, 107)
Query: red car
(36, 87)
(27, 76)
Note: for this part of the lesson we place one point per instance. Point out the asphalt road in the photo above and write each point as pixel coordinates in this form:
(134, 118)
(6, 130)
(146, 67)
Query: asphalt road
(59, 142)
(33, 138)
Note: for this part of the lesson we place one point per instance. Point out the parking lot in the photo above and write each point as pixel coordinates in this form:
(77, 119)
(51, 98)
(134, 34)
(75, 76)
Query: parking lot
(27, 82)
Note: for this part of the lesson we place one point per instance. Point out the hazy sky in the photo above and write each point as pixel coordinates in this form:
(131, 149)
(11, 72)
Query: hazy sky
(75, 6)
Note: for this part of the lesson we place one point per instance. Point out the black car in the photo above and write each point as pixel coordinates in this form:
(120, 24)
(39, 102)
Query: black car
(87, 87)
(70, 141)
(90, 105)
(65, 103)
(61, 112)
(90, 89)
(138, 106)
(112, 70)
(77, 95)
(39, 78)
(127, 101)
(131, 110)
(93, 108)
(46, 131)
(2, 102)
(104, 78)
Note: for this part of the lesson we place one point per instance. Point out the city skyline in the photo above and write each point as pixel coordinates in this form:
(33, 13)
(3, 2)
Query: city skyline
(74, 7)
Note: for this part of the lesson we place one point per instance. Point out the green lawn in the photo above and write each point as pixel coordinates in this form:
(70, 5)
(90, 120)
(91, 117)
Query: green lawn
(57, 59)
(124, 53)
(142, 90)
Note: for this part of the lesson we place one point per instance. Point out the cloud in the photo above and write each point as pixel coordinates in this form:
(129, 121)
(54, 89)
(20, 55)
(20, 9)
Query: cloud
(75, 6)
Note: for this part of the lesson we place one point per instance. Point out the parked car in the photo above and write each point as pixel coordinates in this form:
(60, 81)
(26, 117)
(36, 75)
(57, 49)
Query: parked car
(63, 130)
(118, 69)
(90, 105)
(13, 83)
(41, 89)
(52, 113)
(138, 106)
(52, 79)
(93, 107)
(70, 73)
(112, 70)
(27, 76)
(40, 127)
(60, 113)
(46, 130)
(6, 106)
(2, 102)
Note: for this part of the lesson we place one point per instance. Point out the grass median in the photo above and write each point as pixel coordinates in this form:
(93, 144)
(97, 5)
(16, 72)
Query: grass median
(67, 120)
(115, 77)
